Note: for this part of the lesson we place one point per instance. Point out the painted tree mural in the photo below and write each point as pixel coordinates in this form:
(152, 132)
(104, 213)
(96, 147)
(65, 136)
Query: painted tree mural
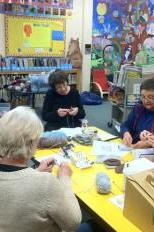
(121, 28)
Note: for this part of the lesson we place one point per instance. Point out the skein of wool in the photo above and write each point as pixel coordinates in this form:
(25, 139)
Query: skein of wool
(103, 183)
(52, 139)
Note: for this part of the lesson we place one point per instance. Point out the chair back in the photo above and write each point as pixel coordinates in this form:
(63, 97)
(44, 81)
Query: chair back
(98, 76)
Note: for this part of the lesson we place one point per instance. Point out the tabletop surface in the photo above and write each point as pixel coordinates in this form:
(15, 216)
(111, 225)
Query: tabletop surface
(83, 182)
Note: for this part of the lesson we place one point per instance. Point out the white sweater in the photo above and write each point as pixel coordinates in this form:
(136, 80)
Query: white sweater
(33, 201)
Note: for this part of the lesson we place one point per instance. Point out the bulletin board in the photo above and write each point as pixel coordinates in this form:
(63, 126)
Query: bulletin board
(30, 36)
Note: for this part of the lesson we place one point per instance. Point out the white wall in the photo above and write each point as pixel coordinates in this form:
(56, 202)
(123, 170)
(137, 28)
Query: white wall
(74, 24)
(86, 39)
(2, 35)
(79, 26)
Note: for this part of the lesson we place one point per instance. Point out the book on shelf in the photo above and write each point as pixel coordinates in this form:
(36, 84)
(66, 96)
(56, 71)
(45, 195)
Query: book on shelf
(130, 72)
(72, 79)
(25, 62)
(34, 63)
(132, 99)
(21, 64)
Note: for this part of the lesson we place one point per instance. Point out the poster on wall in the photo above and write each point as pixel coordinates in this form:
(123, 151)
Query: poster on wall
(45, 8)
(122, 29)
(35, 37)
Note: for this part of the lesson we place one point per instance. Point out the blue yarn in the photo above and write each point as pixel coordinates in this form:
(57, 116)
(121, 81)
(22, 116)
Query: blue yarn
(51, 139)
(103, 183)
(53, 134)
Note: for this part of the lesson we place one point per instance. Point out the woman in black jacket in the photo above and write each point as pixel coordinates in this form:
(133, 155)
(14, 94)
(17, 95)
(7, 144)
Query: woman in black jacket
(62, 105)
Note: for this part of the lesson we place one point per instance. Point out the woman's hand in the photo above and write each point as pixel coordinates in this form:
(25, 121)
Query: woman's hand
(144, 135)
(64, 170)
(46, 165)
(151, 140)
(62, 112)
(147, 137)
(127, 139)
(73, 111)
(140, 145)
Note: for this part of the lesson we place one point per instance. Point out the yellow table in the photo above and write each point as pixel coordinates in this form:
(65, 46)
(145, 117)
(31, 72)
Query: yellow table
(105, 212)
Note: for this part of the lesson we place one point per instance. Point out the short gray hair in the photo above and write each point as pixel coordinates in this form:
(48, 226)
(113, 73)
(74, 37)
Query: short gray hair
(147, 84)
(20, 130)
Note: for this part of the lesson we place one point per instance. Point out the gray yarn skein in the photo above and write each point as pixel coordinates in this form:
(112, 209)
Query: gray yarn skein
(103, 183)
(51, 139)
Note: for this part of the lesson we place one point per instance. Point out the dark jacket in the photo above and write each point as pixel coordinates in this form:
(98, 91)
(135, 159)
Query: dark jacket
(53, 101)
(138, 120)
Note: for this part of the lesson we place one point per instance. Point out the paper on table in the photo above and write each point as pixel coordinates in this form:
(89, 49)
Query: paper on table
(71, 131)
(108, 150)
(139, 152)
(118, 200)
(59, 159)
(104, 136)
(136, 166)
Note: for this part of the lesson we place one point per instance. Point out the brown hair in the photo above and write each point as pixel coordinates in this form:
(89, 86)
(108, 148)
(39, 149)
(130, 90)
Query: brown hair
(57, 77)
(147, 84)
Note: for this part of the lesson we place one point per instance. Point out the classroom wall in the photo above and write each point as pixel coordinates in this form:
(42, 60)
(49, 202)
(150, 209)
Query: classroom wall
(2, 35)
(86, 39)
(122, 30)
(79, 26)
(74, 24)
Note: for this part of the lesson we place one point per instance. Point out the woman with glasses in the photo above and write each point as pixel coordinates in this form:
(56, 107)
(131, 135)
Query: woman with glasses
(140, 118)
(62, 105)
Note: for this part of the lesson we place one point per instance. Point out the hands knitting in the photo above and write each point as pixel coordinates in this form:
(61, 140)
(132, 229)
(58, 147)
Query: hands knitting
(64, 170)
(72, 111)
(46, 165)
(148, 137)
(127, 139)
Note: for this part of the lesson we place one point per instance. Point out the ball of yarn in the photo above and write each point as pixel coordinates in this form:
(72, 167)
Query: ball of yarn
(52, 139)
(103, 183)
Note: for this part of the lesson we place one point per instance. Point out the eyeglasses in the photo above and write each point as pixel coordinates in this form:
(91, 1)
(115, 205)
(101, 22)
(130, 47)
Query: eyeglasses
(148, 98)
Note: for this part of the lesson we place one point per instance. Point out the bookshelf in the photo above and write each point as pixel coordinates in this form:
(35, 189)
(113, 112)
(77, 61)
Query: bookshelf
(129, 84)
(28, 97)
(74, 75)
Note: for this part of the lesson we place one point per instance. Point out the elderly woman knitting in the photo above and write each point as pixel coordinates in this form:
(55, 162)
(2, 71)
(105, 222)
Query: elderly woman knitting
(31, 200)
(62, 105)
(140, 118)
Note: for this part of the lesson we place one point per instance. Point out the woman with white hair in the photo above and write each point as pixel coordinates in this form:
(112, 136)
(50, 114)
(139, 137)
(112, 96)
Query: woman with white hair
(31, 200)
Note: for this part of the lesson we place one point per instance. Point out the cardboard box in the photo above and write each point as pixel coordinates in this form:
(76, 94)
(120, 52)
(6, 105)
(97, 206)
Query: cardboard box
(139, 200)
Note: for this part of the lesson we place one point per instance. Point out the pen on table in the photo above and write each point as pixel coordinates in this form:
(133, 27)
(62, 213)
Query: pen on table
(106, 140)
